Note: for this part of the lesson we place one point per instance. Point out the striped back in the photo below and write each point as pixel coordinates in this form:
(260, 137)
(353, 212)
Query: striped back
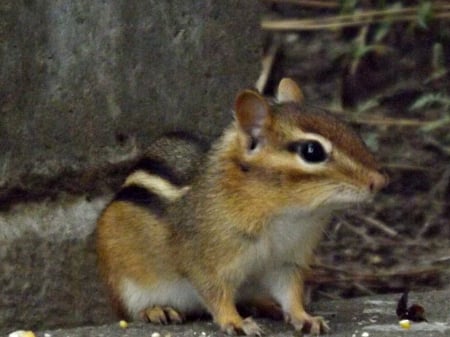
(164, 173)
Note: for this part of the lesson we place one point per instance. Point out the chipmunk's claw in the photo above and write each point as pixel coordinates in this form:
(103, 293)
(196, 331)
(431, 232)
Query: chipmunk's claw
(162, 315)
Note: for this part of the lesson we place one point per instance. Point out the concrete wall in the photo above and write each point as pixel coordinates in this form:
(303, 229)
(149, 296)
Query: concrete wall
(85, 85)
(81, 78)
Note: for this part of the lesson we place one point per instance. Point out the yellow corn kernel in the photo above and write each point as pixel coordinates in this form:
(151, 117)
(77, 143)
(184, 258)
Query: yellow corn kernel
(22, 333)
(405, 323)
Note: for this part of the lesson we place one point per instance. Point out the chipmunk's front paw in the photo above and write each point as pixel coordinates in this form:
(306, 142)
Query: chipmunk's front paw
(314, 325)
(162, 315)
(246, 327)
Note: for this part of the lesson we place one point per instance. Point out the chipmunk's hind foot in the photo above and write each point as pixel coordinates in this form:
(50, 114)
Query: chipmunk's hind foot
(247, 327)
(313, 325)
(316, 326)
(162, 315)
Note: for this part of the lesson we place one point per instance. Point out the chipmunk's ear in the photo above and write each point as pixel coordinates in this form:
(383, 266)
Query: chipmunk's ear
(289, 91)
(252, 112)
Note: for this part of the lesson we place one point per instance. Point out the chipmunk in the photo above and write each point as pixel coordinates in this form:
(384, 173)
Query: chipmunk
(190, 233)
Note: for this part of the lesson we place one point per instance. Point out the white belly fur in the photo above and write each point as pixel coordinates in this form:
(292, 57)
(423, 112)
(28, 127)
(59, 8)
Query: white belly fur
(179, 295)
(290, 240)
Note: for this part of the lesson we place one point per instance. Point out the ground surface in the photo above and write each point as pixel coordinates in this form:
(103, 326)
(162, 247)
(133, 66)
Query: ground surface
(372, 316)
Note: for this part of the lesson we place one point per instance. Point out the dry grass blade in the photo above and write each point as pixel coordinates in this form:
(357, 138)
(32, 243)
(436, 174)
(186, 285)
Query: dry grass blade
(378, 224)
(437, 207)
(267, 64)
(326, 275)
(438, 145)
(406, 167)
(290, 25)
(361, 232)
(308, 3)
(387, 121)
(330, 4)
(441, 259)
(356, 19)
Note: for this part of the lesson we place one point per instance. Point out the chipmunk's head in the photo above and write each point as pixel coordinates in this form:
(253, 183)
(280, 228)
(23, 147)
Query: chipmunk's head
(295, 155)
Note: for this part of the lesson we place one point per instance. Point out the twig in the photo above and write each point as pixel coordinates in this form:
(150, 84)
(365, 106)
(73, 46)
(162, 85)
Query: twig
(406, 167)
(437, 207)
(357, 19)
(267, 64)
(364, 289)
(379, 225)
(318, 276)
(329, 296)
(361, 232)
(441, 185)
(383, 13)
(309, 3)
(434, 142)
(439, 260)
(372, 14)
(387, 121)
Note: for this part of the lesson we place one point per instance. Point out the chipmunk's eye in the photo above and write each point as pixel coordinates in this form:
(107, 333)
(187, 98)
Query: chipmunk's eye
(311, 151)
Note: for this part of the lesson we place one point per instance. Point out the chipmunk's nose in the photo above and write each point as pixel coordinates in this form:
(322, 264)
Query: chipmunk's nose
(377, 181)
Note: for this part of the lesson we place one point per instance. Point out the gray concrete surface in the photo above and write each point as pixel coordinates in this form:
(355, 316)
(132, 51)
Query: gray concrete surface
(84, 82)
(372, 316)
(85, 86)
(48, 274)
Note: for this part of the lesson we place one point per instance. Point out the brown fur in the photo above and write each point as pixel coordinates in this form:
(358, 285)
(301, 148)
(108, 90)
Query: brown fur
(250, 220)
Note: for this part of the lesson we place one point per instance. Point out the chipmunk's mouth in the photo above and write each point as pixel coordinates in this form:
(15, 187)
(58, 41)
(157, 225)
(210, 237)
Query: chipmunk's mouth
(346, 195)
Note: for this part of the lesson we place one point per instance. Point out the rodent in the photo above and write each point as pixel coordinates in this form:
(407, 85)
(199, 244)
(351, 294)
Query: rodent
(191, 232)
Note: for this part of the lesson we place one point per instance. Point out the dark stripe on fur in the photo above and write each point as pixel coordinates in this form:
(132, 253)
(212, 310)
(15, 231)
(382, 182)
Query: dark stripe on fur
(141, 196)
(173, 157)
(190, 138)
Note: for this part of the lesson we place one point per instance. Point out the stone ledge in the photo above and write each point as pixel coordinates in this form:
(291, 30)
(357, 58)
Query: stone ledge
(372, 316)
